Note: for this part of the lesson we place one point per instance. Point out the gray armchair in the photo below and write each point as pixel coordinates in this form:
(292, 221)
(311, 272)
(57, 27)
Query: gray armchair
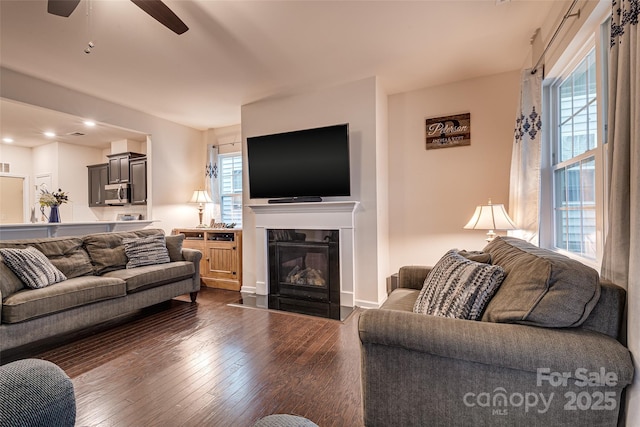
(420, 370)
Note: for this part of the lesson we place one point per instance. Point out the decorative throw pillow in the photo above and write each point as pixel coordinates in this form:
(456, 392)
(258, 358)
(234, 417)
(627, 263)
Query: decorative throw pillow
(458, 287)
(32, 267)
(174, 246)
(148, 250)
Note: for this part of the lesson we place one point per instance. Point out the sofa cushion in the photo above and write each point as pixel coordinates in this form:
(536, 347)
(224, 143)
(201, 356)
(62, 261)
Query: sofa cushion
(66, 253)
(458, 287)
(542, 287)
(174, 246)
(149, 276)
(106, 250)
(477, 256)
(149, 250)
(9, 282)
(31, 266)
(402, 299)
(30, 303)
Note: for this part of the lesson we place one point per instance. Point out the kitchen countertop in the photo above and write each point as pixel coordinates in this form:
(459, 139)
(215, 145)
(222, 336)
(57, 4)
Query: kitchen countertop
(54, 229)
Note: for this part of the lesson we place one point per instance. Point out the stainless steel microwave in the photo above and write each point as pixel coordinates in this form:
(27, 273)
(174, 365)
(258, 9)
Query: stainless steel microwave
(117, 194)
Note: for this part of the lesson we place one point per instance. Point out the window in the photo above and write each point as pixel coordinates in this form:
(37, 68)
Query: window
(576, 102)
(574, 160)
(231, 188)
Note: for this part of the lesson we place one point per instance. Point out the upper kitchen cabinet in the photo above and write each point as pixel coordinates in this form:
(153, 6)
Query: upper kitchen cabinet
(98, 177)
(138, 175)
(119, 170)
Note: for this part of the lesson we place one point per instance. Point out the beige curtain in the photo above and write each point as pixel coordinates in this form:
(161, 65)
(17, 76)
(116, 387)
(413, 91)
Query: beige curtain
(524, 190)
(621, 257)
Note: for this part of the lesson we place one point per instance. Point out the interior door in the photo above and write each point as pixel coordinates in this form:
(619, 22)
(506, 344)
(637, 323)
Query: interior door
(11, 200)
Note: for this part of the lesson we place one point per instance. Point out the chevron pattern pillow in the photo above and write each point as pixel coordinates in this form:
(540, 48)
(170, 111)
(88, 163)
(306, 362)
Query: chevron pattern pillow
(458, 287)
(147, 250)
(32, 267)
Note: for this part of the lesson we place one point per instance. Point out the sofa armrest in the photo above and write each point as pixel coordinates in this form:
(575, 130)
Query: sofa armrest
(412, 276)
(513, 346)
(194, 256)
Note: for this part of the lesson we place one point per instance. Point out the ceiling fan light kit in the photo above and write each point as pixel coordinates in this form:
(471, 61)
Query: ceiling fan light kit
(154, 8)
(89, 47)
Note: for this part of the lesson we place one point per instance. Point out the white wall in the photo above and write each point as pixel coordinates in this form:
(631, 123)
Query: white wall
(18, 157)
(67, 165)
(73, 178)
(432, 194)
(173, 152)
(353, 103)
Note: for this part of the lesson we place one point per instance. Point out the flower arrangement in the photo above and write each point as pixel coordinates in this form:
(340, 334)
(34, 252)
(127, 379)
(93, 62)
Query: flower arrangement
(53, 199)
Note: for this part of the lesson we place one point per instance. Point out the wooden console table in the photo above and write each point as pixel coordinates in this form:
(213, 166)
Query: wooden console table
(221, 264)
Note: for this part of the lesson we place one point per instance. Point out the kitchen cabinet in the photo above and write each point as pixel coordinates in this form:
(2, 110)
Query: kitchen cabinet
(221, 263)
(138, 178)
(98, 177)
(119, 171)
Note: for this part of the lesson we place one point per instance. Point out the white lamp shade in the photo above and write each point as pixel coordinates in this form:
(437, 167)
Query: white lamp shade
(490, 217)
(200, 196)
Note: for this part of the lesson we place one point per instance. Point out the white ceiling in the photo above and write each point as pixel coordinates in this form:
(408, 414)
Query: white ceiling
(238, 52)
(26, 125)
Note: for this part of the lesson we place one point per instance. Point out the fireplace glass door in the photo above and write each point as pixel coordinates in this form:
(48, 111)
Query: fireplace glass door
(304, 270)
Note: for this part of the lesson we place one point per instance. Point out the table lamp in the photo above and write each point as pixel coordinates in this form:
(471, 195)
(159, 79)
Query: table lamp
(200, 197)
(490, 217)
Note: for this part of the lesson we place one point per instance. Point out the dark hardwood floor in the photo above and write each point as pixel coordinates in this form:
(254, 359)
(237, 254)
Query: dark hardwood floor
(211, 364)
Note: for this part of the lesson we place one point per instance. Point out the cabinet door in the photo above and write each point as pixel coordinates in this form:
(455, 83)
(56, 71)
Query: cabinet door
(98, 177)
(138, 169)
(124, 168)
(118, 169)
(222, 260)
(114, 170)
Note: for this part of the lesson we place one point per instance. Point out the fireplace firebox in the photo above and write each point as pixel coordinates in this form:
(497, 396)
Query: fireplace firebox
(304, 272)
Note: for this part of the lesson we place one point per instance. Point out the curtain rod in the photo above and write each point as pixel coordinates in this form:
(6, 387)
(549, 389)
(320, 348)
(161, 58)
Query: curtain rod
(226, 143)
(564, 19)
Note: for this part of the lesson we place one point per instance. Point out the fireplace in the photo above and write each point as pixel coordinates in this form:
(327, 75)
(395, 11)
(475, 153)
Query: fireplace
(333, 215)
(304, 271)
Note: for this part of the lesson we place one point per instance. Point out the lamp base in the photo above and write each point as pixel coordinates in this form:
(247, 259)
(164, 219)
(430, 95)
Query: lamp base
(490, 236)
(200, 209)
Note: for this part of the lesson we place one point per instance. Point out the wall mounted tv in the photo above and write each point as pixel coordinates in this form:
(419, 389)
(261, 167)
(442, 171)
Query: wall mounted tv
(300, 166)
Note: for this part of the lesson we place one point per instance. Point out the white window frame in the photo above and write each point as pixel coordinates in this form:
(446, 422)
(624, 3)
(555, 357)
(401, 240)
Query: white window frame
(598, 40)
(238, 194)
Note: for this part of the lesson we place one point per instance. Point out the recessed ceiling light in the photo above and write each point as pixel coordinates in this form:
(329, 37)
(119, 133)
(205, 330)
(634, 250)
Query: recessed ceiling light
(49, 134)
(89, 123)
(7, 140)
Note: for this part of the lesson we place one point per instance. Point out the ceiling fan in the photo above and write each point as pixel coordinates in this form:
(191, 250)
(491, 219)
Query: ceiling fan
(155, 8)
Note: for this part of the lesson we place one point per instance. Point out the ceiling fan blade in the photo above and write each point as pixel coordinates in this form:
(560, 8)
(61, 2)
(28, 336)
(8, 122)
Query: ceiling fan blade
(161, 13)
(62, 7)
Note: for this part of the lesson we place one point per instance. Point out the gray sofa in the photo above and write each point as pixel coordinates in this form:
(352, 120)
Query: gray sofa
(511, 368)
(98, 288)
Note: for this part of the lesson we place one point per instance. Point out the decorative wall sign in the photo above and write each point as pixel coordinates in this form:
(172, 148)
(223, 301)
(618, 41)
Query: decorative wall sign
(448, 131)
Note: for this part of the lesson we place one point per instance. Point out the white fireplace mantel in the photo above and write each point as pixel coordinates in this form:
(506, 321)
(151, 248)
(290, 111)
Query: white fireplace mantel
(312, 216)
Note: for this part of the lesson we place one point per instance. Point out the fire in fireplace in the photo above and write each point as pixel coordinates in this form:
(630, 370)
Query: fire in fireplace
(304, 271)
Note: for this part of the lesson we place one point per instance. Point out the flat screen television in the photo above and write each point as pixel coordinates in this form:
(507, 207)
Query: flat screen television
(298, 166)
